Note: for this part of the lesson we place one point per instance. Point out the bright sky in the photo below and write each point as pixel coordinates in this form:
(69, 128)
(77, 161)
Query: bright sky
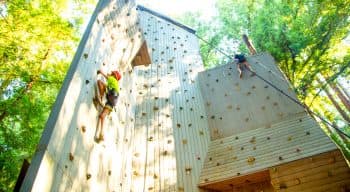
(175, 8)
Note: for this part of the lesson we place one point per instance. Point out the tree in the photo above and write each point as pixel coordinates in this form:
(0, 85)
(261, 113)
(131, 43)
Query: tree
(36, 47)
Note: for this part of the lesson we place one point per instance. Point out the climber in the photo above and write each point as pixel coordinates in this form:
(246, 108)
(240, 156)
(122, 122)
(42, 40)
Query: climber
(111, 89)
(241, 63)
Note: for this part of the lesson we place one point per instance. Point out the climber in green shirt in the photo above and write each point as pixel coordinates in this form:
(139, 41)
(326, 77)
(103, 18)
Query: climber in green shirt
(111, 89)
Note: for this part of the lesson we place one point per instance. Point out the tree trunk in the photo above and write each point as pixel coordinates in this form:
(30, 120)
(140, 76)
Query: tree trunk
(335, 103)
(250, 46)
(345, 91)
(341, 96)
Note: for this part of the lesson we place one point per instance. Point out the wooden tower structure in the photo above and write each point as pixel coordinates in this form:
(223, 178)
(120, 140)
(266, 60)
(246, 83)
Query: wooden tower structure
(177, 127)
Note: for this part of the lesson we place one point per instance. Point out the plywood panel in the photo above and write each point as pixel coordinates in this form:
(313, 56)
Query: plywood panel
(171, 109)
(237, 105)
(67, 154)
(294, 138)
(322, 172)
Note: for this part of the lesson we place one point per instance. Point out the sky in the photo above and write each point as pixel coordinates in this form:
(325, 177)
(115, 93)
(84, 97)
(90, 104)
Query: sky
(175, 8)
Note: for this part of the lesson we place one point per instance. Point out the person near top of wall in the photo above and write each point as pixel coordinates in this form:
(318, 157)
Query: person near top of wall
(111, 90)
(241, 63)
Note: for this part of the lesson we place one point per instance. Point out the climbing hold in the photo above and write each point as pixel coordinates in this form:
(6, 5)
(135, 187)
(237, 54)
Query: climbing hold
(251, 160)
(210, 159)
(178, 125)
(297, 150)
(87, 82)
(263, 108)
(213, 117)
(167, 115)
(230, 148)
(289, 138)
(188, 170)
(238, 108)
(155, 108)
(217, 164)
(201, 133)
(254, 148)
(184, 141)
(165, 152)
(144, 114)
(247, 119)
(275, 103)
(181, 108)
(236, 137)
(268, 138)
(86, 55)
(155, 176)
(88, 176)
(248, 93)
(229, 107)
(307, 133)
(83, 129)
(71, 157)
(150, 138)
(252, 140)
(242, 148)
(280, 158)
(189, 124)
(169, 141)
(135, 173)
(109, 172)
(202, 116)
(268, 97)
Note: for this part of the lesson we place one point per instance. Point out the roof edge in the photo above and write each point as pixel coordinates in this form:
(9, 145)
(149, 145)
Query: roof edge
(188, 29)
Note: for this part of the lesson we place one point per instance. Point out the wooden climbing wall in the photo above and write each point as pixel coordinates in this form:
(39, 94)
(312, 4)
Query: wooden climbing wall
(175, 127)
(237, 105)
(67, 158)
(249, 152)
(171, 131)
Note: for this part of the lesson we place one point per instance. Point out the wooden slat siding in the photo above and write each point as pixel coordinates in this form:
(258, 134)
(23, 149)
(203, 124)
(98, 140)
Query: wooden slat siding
(169, 67)
(322, 172)
(242, 181)
(224, 92)
(267, 152)
(74, 109)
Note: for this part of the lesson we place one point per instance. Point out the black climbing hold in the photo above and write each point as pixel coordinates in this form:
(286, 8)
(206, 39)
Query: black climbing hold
(87, 81)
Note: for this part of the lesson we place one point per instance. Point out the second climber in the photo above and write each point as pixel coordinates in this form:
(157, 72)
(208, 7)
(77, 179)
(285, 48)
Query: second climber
(241, 64)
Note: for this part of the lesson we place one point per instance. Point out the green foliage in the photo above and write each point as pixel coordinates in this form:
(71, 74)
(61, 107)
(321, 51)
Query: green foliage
(36, 47)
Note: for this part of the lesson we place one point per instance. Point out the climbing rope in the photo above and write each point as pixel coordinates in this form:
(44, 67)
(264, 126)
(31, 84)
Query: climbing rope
(279, 90)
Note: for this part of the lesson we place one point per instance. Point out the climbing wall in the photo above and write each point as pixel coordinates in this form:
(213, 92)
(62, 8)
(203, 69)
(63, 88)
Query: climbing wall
(171, 130)
(237, 105)
(254, 127)
(68, 158)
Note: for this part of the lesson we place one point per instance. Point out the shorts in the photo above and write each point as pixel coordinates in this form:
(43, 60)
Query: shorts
(112, 98)
(241, 65)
